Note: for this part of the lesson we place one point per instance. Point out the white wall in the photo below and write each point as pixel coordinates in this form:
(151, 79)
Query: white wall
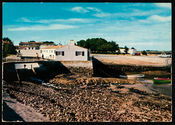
(27, 65)
(132, 51)
(122, 50)
(69, 53)
(85, 64)
(48, 53)
(30, 53)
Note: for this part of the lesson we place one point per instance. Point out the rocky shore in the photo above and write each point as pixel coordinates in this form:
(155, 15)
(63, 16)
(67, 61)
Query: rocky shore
(89, 102)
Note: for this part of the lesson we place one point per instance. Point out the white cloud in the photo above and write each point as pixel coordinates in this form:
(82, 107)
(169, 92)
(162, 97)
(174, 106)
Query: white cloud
(137, 34)
(156, 19)
(23, 19)
(64, 20)
(101, 14)
(85, 10)
(82, 20)
(79, 9)
(165, 5)
(40, 27)
(160, 18)
(98, 12)
(94, 9)
(134, 12)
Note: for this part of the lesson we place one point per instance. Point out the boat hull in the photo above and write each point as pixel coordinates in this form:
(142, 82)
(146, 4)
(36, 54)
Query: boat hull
(156, 81)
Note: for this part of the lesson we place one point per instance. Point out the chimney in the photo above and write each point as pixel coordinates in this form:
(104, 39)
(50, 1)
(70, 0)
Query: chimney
(72, 42)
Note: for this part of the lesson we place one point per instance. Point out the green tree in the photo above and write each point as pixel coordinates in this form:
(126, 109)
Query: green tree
(144, 52)
(8, 47)
(98, 45)
(32, 41)
(82, 43)
(49, 43)
(126, 49)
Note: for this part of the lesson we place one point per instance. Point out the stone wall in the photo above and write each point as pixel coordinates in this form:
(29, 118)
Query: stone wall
(115, 70)
(79, 67)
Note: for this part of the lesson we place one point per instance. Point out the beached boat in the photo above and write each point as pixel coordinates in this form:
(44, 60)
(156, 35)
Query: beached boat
(164, 55)
(132, 76)
(161, 80)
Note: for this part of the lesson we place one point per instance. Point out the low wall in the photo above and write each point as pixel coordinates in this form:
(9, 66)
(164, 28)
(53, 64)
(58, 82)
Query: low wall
(79, 67)
(115, 70)
(46, 69)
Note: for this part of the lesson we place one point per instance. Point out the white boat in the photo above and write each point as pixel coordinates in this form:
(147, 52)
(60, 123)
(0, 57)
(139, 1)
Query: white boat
(164, 56)
(133, 76)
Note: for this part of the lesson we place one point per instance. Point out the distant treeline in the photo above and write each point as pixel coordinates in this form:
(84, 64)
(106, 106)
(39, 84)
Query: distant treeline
(45, 42)
(99, 45)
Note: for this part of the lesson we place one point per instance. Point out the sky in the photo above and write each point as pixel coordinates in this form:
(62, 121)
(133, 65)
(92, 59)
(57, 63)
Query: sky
(144, 26)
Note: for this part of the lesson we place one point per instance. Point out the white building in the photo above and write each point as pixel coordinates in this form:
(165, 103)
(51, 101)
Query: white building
(132, 51)
(122, 51)
(69, 52)
(32, 51)
(49, 52)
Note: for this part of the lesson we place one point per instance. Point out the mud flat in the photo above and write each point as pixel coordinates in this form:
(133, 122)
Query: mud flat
(100, 102)
(134, 60)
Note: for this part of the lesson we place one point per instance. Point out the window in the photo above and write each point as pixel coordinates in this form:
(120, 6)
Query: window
(78, 53)
(40, 51)
(59, 53)
(37, 47)
(29, 47)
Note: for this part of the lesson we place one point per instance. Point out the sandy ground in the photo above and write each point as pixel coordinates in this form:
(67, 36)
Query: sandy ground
(134, 60)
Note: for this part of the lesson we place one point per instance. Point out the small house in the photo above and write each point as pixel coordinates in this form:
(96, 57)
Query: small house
(49, 52)
(132, 51)
(69, 52)
(122, 51)
(32, 51)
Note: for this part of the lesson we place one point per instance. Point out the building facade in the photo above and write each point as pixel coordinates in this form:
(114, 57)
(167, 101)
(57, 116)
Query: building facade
(132, 51)
(72, 53)
(48, 52)
(32, 51)
(69, 52)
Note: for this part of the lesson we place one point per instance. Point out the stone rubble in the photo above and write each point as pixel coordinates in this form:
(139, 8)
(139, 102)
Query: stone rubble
(88, 100)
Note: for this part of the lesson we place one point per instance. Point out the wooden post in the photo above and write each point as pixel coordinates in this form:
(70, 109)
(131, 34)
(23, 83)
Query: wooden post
(18, 76)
